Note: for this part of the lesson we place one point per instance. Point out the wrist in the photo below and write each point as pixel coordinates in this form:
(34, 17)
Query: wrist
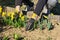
(35, 16)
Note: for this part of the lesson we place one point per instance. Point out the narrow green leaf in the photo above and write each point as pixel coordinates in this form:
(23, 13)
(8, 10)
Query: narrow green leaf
(49, 25)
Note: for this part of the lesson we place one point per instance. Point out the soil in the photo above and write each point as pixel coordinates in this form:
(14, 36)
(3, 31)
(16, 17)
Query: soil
(36, 34)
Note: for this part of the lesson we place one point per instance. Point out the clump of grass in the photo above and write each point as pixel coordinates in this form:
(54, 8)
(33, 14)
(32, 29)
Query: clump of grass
(17, 37)
(5, 38)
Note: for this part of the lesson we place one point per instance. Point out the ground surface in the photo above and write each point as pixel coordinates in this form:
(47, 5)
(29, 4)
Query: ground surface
(36, 34)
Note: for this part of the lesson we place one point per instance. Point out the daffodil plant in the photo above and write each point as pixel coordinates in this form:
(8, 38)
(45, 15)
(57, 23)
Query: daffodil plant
(13, 19)
(45, 22)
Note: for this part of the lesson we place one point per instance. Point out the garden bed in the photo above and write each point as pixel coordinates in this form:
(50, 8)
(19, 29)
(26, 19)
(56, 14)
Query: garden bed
(9, 32)
(36, 34)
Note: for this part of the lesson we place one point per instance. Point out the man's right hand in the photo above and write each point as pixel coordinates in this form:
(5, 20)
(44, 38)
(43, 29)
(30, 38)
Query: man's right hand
(17, 8)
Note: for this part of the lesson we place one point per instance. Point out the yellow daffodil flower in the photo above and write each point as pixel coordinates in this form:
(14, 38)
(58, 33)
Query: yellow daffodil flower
(12, 15)
(22, 18)
(3, 14)
(8, 14)
(45, 17)
(20, 15)
(0, 9)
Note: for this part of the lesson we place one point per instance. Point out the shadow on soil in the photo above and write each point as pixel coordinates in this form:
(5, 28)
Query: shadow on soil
(4, 27)
(1, 26)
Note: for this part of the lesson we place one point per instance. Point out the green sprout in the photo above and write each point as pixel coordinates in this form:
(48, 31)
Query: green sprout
(6, 38)
(17, 37)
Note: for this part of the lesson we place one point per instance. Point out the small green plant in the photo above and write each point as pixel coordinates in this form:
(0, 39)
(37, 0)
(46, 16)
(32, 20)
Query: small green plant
(45, 22)
(49, 38)
(6, 38)
(40, 25)
(35, 24)
(49, 25)
(17, 37)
